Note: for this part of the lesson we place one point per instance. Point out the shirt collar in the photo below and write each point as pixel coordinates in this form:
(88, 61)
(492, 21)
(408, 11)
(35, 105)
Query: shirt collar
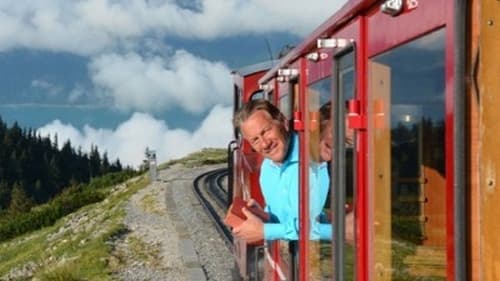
(292, 153)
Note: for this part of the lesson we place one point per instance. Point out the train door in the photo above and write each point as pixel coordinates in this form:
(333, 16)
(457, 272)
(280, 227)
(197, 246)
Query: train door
(345, 199)
(280, 255)
(315, 224)
(328, 246)
(409, 142)
(346, 167)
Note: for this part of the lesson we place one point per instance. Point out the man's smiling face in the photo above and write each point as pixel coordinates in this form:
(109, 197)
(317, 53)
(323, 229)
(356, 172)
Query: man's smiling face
(267, 136)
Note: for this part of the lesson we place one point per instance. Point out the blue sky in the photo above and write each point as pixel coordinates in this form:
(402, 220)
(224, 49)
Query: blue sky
(134, 73)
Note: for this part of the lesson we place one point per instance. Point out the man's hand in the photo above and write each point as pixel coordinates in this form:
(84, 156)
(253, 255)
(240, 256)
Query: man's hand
(251, 230)
(252, 203)
(255, 207)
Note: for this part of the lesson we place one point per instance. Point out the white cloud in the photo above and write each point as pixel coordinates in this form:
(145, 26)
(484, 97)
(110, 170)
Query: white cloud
(223, 18)
(92, 26)
(158, 83)
(109, 31)
(76, 93)
(129, 140)
(46, 87)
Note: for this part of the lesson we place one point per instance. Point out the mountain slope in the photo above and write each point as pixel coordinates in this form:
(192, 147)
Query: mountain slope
(76, 247)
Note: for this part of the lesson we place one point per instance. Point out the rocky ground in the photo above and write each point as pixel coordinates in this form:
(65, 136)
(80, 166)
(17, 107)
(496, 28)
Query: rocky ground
(165, 235)
(169, 235)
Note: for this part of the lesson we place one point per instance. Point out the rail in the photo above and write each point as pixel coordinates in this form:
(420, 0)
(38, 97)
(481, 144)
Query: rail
(208, 189)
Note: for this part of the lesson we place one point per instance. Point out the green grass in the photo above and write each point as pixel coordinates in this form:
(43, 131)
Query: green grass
(206, 156)
(400, 250)
(65, 252)
(143, 251)
(63, 273)
(149, 203)
(61, 252)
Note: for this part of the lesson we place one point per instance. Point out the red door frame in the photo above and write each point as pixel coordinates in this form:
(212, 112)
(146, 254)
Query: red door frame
(322, 69)
(384, 32)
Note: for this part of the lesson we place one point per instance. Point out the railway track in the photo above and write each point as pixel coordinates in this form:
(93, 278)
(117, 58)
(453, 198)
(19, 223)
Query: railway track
(210, 191)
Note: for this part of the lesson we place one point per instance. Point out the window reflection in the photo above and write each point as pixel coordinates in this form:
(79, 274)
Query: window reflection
(406, 111)
(344, 165)
(285, 106)
(325, 113)
(319, 259)
(257, 95)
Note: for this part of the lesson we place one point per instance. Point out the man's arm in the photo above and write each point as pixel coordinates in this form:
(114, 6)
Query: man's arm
(286, 224)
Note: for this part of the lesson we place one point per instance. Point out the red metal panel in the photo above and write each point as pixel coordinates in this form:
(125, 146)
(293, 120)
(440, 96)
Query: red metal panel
(251, 85)
(321, 69)
(385, 31)
(350, 10)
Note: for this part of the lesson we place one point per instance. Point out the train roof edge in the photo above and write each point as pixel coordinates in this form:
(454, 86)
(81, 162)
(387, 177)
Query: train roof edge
(335, 21)
(254, 68)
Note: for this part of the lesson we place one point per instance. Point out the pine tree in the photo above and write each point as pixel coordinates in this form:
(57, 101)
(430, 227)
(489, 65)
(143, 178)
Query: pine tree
(54, 174)
(116, 166)
(4, 195)
(105, 166)
(39, 169)
(94, 162)
(19, 200)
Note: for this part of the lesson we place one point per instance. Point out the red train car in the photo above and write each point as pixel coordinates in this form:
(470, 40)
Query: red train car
(416, 85)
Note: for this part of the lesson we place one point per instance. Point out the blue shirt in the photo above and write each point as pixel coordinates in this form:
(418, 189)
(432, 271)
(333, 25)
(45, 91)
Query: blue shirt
(280, 187)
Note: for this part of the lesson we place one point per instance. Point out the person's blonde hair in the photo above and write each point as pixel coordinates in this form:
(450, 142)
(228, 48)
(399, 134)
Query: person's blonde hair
(254, 105)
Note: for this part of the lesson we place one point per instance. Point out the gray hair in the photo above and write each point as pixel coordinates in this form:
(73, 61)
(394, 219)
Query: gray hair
(254, 105)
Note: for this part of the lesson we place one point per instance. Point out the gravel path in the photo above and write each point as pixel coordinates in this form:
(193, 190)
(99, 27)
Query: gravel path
(170, 237)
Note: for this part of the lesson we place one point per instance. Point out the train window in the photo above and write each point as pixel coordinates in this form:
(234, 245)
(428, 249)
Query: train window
(258, 95)
(319, 92)
(407, 179)
(237, 105)
(344, 164)
(285, 106)
(319, 245)
(286, 98)
(270, 96)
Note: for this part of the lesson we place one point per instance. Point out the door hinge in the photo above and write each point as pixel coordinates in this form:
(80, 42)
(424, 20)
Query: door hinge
(298, 121)
(355, 120)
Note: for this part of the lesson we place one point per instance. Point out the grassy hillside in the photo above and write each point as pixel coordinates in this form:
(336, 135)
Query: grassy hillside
(206, 156)
(77, 246)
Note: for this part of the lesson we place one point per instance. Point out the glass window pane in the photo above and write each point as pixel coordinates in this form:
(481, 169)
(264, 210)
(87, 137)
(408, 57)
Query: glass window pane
(407, 179)
(319, 260)
(324, 125)
(257, 95)
(285, 106)
(345, 93)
